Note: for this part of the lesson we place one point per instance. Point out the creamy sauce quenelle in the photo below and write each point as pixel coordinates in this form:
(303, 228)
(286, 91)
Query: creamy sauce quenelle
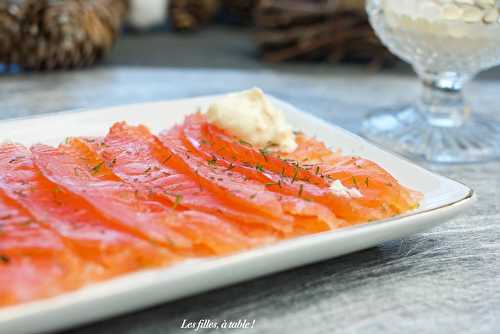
(250, 116)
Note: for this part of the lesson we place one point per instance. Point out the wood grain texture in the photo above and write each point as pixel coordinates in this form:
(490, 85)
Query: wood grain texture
(446, 280)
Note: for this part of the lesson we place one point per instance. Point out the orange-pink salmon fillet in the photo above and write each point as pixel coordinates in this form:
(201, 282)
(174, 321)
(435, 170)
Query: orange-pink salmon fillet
(74, 168)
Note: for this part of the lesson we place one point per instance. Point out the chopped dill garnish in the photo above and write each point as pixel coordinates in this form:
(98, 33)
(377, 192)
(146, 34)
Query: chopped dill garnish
(148, 170)
(264, 153)
(301, 189)
(354, 182)
(253, 196)
(16, 158)
(96, 168)
(295, 173)
(366, 181)
(178, 200)
(271, 144)
(4, 259)
(242, 142)
(212, 161)
(259, 167)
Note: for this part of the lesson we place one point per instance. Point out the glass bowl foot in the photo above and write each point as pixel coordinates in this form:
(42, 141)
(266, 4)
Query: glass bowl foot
(408, 132)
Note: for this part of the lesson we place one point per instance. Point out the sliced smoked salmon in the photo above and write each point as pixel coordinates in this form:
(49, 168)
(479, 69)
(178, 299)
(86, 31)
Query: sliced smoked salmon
(372, 180)
(81, 227)
(73, 167)
(34, 262)
(145, 166)
(301, 174)
(238, 188)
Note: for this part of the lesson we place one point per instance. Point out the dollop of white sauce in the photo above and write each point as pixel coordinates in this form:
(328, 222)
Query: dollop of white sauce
(250, 116)
(338, 189)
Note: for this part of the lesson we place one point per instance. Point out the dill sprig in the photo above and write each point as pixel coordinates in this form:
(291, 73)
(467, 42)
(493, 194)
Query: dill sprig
(259, 167)
(354, 182)
(212, 162)
(264, 152)
(178, 200)
(4, 259)
(295, 172)
(243, 142)
(97, 168)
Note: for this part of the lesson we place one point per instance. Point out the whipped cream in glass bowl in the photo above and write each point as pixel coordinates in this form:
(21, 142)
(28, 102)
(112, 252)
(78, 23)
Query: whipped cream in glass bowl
(448, 42)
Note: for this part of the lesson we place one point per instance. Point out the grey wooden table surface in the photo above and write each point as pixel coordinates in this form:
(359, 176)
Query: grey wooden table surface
(446, 280)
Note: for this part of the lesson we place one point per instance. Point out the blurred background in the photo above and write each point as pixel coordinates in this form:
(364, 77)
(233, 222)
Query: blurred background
(90, 53)
(63, 34)
(41, 35)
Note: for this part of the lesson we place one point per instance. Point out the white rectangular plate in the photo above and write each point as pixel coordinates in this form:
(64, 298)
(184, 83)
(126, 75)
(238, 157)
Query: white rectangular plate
(443, 199)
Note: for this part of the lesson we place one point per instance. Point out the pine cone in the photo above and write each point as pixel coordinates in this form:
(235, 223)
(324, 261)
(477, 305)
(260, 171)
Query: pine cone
(318, 30)
(12, 15)
(192, 14)
(53, 34)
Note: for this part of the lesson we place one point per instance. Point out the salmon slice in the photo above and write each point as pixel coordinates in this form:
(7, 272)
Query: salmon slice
(290, 174)
(238, 188)
(229, 186)
(371, 179)
(77, 170)
(78, 223)
(286, 177)
(137, 157)
(34, 262)
(254, 165)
